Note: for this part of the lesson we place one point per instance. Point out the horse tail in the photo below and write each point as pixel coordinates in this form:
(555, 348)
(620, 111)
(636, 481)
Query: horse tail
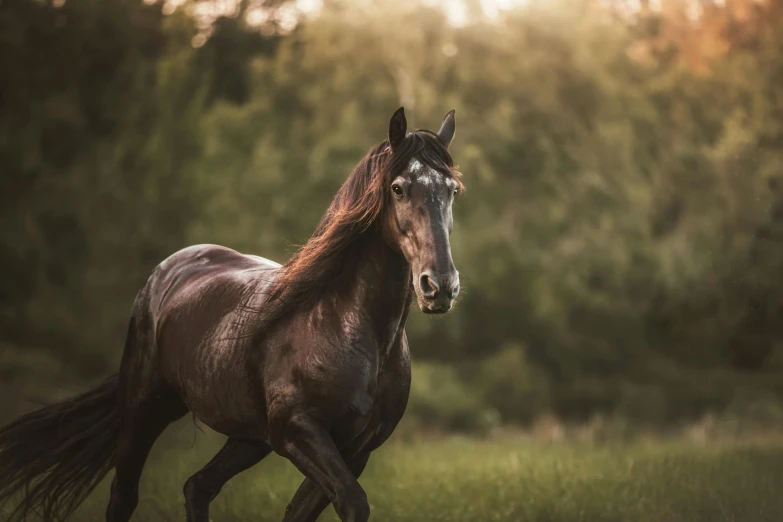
(52, 458)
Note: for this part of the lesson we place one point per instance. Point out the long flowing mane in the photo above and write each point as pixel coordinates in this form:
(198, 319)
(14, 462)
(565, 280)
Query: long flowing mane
(357, 209)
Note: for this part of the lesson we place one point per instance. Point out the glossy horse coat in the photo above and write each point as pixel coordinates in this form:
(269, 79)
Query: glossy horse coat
(308, 359)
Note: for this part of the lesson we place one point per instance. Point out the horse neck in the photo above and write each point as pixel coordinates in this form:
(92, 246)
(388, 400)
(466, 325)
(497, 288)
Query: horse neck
(380, 289)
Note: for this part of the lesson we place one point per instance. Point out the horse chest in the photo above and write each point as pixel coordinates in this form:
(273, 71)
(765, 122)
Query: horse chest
(346, 381)
(378, 403)
(352, 377)
(365, 410)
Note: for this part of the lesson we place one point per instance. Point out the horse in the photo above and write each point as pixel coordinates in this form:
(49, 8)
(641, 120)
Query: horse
(309, 359)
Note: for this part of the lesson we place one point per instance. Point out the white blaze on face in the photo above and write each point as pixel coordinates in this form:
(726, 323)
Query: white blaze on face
(427, 176)
(415, 166)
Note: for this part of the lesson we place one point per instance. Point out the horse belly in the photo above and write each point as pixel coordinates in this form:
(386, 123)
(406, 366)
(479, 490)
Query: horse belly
(227, 406)
(213, 382)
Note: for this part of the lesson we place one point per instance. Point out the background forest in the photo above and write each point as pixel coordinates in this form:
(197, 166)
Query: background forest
(620, 241)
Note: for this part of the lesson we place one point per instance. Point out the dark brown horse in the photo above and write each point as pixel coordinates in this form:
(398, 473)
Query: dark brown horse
(308, 359)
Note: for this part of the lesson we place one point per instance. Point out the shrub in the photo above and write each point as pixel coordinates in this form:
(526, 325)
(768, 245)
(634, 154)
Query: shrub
(440, 400)
(508, 382)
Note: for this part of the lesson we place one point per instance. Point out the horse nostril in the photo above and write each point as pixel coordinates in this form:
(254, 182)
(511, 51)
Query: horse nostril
(428, 286)
(454, 290)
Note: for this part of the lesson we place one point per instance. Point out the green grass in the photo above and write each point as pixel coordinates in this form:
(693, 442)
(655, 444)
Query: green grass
(509, 480)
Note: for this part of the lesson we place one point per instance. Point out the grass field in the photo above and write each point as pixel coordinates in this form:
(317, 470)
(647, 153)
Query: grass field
(513, 479)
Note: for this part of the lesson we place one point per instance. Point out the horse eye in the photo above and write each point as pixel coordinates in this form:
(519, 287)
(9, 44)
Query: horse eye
(397, 190)
(455, 191)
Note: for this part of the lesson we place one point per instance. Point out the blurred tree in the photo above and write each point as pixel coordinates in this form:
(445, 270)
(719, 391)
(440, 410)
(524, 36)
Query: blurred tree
(99, 123)
(618, 243)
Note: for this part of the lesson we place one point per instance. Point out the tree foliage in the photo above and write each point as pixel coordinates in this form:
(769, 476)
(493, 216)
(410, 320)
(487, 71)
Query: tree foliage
(620, 241)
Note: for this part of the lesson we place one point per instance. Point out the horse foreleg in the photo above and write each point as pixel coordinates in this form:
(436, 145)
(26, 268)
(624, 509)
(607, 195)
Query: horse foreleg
(310, 500)
(235, 457)
(308, 445)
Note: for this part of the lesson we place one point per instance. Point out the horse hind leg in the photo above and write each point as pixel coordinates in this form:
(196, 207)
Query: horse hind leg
(146, 406)
(140, 427)
(235, 457)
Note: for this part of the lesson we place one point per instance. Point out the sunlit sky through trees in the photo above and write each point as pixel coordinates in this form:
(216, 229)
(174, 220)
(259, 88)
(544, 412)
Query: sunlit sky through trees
(458, 12)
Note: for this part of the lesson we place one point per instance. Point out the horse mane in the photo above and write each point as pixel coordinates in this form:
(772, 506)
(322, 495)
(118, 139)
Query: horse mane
(357, 208)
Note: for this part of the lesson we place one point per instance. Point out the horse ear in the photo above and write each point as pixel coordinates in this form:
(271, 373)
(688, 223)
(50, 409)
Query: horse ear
(398, 126)
(447, 129)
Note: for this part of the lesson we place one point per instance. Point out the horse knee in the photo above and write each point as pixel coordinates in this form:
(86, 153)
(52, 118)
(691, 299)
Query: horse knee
(196, 489)
(352, 504)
